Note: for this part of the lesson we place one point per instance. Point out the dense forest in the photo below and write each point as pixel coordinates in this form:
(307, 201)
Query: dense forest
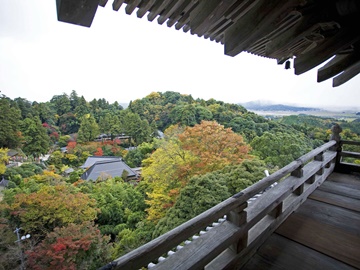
(194, 153)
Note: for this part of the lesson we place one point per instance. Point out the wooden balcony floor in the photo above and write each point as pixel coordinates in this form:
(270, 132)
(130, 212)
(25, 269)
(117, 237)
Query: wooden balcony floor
(324, 233)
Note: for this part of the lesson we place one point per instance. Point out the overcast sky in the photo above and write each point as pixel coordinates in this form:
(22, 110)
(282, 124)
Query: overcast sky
(122, 58)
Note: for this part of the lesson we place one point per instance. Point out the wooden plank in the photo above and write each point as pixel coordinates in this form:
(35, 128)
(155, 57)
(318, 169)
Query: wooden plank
(338, 200)
(281, 253)
(347, 75)
(349, 180)
(336, 65)
(327, 239)
(202, 250)
(117, 4)
(332, 187)
(331, 46)
(255, 24)
(336, 216)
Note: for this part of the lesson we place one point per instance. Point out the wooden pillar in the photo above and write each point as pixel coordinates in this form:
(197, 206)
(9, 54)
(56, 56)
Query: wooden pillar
(336, 130)
(238, 217)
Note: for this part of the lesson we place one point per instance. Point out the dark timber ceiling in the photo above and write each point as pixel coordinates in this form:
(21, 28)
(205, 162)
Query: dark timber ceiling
(310, 32)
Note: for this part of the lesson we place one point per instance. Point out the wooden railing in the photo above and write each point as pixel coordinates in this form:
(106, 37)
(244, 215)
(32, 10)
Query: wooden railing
(342, 166)
(246, 226)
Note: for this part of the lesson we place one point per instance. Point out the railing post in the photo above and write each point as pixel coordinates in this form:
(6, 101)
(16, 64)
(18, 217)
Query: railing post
(299, 172)
(336, 130)
(238, 216)
(320, 157)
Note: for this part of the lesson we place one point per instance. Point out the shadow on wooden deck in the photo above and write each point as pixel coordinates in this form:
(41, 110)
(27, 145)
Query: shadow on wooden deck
(324, 233)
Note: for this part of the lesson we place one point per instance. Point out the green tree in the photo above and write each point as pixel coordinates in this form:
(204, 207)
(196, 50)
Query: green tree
(200, 194)
(121, 205)
(280, 148)
(68, 123)
(9, 124)
(36, 141)
(88, 130)
(61, 104)
(82, 108)
(25, 107)
(74, 100)
(138, 129)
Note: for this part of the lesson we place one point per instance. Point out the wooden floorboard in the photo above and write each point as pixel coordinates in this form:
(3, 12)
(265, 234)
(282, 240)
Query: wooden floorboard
(338, 188)
(279, 252)
(323, 233)
(335, 199)
(351, 180)
(336, 216)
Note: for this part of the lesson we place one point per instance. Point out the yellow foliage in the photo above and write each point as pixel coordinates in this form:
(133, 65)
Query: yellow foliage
(3, 159)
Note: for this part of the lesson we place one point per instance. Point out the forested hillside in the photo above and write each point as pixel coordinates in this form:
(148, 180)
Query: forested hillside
(194, 153)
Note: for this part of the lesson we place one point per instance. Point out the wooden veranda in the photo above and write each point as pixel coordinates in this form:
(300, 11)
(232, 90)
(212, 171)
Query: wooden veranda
(323, 233)
(309, 220)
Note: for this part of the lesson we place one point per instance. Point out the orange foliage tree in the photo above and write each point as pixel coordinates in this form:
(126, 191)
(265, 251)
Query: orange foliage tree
(184, 153)
(214, 146)
(75, 246)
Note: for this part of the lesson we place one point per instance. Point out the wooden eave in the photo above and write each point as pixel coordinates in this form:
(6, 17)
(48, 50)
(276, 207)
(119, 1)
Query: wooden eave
(309, 31)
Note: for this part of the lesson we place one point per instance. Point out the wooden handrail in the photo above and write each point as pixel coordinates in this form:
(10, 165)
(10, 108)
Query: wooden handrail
(302, 177)
(345, 167)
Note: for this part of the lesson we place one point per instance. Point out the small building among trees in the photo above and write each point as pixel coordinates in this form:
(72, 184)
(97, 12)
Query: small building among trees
(109, 168)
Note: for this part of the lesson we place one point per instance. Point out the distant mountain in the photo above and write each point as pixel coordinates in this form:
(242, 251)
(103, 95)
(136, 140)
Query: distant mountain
(258, 106)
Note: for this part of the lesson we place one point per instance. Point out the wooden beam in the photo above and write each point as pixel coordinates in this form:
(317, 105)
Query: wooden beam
(131, 6)
(180, 17)
(207, 14)
(347, 75)
(331, 46)
(157, 9)
(333, 67)
(239, 9)
(291, 36)
(81, 12)
(186, 6)
(255, 24)
(117, 4)
(175, 5)
(145, 7)
(103, 3)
